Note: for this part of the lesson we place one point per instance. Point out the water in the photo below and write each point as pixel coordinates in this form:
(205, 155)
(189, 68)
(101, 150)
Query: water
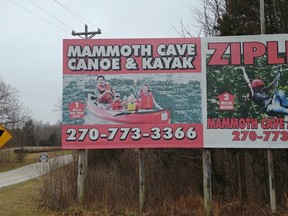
(179, 92)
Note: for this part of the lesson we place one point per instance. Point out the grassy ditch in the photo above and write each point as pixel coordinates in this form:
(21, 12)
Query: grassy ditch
(26, 199)
(22, 199)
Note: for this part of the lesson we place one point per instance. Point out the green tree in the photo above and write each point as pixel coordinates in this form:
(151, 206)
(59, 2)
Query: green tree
(243, 17)
(53, 139)
(238, 17)
(28, 133)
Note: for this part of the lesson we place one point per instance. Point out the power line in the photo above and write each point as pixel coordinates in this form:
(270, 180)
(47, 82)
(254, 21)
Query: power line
(53, 24)
(20, 6)
(50, 14)
(77, 16)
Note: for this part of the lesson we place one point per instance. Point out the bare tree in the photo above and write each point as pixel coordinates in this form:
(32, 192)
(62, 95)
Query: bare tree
(205, 19)
(11, 110)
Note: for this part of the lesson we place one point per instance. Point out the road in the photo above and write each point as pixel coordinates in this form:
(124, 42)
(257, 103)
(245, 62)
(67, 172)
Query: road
(32, 171)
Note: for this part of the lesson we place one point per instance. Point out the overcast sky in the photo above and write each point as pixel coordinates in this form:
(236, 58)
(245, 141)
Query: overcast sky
(32, 32)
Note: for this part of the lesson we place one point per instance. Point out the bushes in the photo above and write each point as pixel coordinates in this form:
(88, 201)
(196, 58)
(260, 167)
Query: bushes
(59, 188)
(173, 183)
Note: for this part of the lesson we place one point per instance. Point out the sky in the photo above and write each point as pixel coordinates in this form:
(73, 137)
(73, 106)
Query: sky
(32, 33)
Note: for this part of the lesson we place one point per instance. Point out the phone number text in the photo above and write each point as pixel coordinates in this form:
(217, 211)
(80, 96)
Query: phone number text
(133, 136)
(264, 136)
(135, 133)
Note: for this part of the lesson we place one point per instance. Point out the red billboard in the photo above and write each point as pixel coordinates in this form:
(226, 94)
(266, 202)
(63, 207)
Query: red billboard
(132, 93)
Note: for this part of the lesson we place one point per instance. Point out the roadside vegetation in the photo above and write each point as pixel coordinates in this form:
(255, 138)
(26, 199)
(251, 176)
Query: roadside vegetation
(173, 184)
(173, 187)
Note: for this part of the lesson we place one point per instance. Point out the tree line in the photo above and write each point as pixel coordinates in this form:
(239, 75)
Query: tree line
(16, 118)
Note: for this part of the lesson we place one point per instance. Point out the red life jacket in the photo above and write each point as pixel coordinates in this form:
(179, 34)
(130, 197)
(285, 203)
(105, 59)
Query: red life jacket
(146, 101)
(106, 97)
(116, 105)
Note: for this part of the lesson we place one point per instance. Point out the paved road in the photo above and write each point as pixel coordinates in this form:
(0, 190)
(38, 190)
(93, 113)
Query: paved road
(32, 171)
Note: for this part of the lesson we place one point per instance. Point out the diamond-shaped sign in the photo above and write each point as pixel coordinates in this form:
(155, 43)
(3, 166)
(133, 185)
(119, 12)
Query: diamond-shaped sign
(5, 136)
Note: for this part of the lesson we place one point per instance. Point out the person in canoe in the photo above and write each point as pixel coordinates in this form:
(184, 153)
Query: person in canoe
(132, 104)
(103, 92)
(116, 104)
(145, 96)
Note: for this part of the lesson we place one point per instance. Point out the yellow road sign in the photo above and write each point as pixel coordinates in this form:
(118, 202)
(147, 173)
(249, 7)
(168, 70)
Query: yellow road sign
(4, 136)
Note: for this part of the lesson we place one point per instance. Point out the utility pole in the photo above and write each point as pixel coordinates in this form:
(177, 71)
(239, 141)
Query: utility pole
(262, 17)
(269, 151)
(83, 153)
(88, 35)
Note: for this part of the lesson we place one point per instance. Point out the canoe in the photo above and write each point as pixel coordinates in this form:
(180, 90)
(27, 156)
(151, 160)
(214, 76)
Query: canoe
(122, 116)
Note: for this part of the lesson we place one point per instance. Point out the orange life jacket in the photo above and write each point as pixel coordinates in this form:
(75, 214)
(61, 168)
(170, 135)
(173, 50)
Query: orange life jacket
(146, 101)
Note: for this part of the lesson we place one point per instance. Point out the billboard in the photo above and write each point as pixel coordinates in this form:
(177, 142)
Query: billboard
(223, 92)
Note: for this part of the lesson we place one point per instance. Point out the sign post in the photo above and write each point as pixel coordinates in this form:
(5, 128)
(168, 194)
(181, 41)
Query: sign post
(141, 179)
(207, 182)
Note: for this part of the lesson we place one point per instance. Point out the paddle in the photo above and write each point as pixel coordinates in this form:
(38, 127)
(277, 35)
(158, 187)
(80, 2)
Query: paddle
(124, 113)
(150, 111)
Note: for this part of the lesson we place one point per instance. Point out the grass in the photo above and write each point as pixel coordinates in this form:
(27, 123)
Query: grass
(13, 164)
(21, 199)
